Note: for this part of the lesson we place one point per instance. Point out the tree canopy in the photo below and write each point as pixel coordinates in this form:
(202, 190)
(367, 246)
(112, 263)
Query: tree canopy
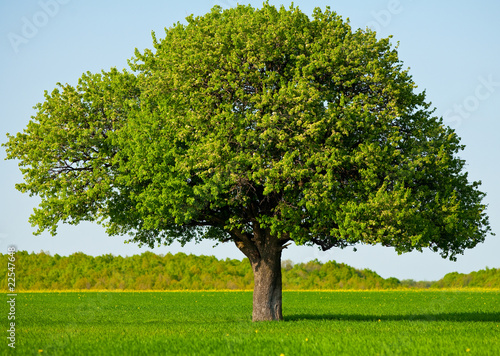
(259, 127)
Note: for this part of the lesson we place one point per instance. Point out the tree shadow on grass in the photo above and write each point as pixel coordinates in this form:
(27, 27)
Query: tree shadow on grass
(451, 317)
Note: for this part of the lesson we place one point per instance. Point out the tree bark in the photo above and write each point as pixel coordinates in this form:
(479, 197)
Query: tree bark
(267, 300)
(264, 252)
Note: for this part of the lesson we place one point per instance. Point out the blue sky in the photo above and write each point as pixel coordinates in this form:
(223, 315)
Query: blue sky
(451, 47)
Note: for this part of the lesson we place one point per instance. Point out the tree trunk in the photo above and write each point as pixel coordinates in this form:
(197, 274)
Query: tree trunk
(267, 289)
(264, 252)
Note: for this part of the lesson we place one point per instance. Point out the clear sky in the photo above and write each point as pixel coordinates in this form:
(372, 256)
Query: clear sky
(452, 48)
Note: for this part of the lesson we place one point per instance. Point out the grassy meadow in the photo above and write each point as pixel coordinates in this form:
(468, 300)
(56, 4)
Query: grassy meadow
(219, 323)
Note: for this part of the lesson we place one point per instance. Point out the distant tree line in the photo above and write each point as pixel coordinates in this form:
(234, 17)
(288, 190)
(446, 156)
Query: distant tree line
(149, 271)
(487, 278)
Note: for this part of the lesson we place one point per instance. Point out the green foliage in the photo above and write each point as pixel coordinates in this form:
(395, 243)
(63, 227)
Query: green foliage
(67, 154)
(488, 278)
(267, 119)
(175, 272)
(331, 275)
(218, 323)
(149, 271)
(256, 126)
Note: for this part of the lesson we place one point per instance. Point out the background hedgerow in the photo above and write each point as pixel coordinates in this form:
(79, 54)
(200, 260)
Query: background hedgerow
(149, 271)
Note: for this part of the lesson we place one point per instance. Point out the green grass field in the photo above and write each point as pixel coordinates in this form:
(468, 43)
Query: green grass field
(219, 323)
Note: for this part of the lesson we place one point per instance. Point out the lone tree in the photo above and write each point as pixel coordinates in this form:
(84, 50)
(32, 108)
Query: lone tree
(259, 127)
